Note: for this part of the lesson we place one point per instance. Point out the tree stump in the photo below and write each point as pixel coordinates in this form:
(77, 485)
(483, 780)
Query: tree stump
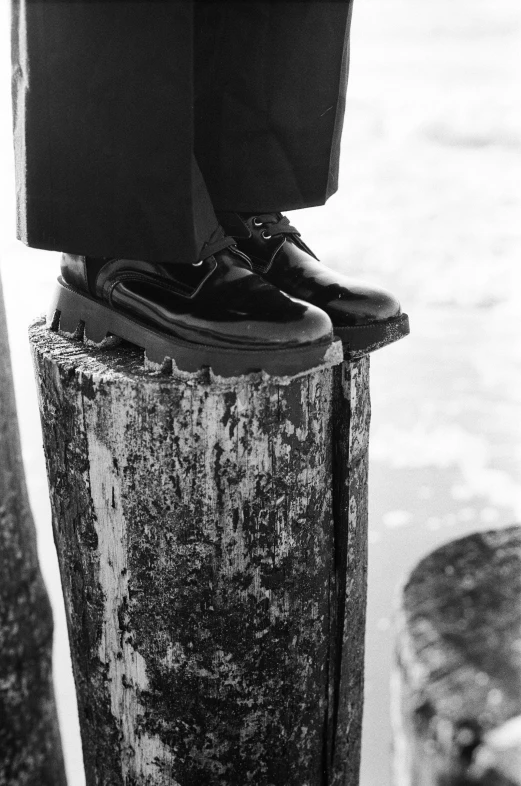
(457, 684)
(211, 535)
(30, 748)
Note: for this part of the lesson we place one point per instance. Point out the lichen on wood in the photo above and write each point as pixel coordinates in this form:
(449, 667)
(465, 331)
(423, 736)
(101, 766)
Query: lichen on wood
(211, 540)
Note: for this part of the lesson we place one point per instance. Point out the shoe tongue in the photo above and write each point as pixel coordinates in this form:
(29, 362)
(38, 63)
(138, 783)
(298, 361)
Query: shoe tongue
(246, 216)
(234, 223)
(266, 217)
(266, 213)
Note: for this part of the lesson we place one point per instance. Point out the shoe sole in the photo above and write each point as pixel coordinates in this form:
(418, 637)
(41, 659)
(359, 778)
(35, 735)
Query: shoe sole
(79, 316)
(358, 340)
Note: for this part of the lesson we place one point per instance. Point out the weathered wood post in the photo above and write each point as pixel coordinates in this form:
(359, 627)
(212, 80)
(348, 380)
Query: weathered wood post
(457, 684)
(211, 535)
(30, 748)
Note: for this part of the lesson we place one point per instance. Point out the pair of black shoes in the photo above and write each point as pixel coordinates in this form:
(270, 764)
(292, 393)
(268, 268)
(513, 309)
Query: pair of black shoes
(262, 301)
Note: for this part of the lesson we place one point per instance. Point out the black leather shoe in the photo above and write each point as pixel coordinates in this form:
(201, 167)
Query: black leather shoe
(215, 313)
(364, 317)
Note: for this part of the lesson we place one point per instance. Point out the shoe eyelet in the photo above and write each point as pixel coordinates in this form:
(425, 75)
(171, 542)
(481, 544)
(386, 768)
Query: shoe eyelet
(256, 223)
(265, 235)
(197, 264)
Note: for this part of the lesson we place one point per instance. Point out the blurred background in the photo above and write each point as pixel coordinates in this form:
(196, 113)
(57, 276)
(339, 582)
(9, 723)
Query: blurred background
(429, 206)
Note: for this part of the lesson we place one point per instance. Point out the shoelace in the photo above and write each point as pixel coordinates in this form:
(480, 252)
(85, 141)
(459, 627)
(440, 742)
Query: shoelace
(218, 241)
(275, 223)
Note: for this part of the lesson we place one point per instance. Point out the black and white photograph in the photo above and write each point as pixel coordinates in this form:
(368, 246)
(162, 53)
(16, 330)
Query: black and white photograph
(260, 393)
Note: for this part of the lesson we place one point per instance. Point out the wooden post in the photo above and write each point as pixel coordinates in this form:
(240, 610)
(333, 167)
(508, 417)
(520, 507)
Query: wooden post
(457, 683)
(211, 535)
(30, 748)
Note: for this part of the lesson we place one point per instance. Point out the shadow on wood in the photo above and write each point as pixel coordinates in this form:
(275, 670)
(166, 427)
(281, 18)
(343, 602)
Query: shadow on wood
(457, 682)
(30, 747)
(211, 536)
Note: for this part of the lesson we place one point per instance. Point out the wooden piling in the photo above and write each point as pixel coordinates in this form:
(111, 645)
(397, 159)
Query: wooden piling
(30, 748)
(211, 536)
(457, 682)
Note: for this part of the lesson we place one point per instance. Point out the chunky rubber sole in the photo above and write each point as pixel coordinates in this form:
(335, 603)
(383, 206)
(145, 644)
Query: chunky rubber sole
(78, 315)
(359, 340)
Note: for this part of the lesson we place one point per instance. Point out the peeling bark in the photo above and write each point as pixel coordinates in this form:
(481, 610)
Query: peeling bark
(211, 539)
(457, 682)
(30, 748)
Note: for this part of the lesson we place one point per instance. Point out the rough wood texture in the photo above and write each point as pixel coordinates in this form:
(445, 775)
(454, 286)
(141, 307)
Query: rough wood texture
(213, 573)
(457, 685)
(30, 749)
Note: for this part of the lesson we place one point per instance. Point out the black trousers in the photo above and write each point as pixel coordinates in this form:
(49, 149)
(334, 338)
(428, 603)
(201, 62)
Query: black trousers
(135, 119)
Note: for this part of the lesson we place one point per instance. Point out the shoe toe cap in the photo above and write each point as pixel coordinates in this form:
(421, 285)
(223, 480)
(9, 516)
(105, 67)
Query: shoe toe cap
(316, 325)
(301, 324)
(363, 304)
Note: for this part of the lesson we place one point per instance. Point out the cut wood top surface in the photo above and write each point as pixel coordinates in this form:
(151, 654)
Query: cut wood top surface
(118, 358)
